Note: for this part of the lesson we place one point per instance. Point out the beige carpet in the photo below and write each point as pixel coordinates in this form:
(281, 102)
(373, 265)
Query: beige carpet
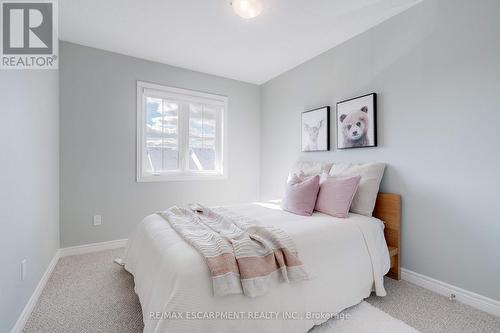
(89, 293)
(364, 318)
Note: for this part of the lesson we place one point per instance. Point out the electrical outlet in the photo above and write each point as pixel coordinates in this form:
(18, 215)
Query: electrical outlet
(23, 269)
(97, 220)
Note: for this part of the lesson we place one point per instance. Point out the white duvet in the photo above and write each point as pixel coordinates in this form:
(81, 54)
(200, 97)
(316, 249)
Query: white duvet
(347, 259)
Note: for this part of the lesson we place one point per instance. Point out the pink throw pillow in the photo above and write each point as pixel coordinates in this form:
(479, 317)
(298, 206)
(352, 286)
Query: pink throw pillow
(336, 194)
(300, 197)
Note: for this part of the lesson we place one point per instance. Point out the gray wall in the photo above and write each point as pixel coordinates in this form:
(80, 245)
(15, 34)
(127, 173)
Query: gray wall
(29, 184)
(436, 69)
(98, 144)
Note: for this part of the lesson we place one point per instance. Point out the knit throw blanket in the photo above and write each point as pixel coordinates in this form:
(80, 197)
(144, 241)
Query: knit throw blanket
(243, 257)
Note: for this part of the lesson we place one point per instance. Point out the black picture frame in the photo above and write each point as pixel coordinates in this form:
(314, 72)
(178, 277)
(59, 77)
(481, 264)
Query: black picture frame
(327, 111)
(372, 123)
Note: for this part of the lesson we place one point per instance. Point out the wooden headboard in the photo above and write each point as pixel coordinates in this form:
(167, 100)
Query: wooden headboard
(388, 209)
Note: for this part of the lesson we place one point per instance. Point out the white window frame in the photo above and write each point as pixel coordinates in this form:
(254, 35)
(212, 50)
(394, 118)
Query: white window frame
(146, 89)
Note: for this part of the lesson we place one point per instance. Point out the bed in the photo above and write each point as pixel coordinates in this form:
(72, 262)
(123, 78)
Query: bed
(342, 255)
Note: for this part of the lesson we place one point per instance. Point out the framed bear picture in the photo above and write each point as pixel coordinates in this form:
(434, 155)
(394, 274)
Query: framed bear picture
(316, 129)
(357, 122)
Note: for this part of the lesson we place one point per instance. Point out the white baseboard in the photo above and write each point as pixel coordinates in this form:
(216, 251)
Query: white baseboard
(464, 296)
(23, 318)
(94, 247)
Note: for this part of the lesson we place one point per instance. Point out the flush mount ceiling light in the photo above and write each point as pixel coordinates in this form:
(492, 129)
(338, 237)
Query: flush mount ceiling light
(247, 8)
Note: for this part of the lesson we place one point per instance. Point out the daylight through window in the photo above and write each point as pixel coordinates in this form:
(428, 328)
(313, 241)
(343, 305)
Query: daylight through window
(180, 133)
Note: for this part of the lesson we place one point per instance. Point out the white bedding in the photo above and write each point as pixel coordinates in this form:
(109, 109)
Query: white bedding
(346, 257)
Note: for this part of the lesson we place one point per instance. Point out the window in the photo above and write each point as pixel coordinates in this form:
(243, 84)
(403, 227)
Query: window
(180, 134)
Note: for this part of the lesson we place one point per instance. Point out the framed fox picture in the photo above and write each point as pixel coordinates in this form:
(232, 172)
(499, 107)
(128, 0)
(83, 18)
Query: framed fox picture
(316, 129)
(357, 122)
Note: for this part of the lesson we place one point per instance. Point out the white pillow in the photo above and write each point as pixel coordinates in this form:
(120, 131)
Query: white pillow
(310, 168)
(371, 176)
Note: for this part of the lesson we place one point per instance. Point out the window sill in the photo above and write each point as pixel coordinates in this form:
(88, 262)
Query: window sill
(179, 177)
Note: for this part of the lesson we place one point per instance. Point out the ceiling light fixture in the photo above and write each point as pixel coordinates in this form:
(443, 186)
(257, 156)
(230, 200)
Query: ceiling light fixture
(247, 8)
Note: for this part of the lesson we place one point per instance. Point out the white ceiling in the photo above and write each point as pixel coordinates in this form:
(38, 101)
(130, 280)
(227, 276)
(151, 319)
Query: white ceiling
(206, 36)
